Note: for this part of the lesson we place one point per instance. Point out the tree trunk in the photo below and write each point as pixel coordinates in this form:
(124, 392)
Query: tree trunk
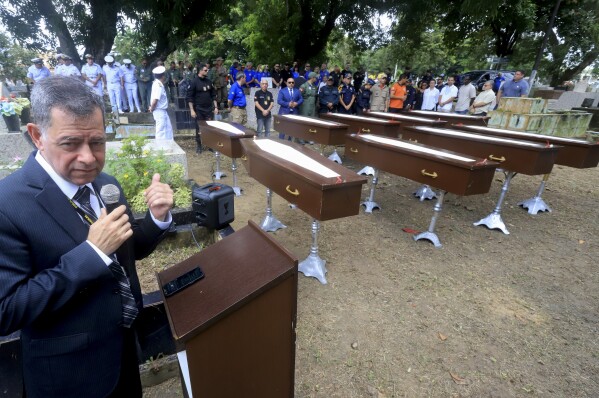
(570, 73)
(57, 25)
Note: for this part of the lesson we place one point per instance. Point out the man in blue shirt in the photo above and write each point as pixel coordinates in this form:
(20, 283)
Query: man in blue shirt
(37, 71)
(236, 100)
(250, 77)
(517, 87)
(497, 82)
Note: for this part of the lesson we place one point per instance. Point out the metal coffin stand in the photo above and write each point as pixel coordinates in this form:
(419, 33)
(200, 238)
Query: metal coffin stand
(424, 192)
(445, 170)
(576, 153)
(236, 326)
(313, 129)
(227, 143)
(514, 156)
(323, 198)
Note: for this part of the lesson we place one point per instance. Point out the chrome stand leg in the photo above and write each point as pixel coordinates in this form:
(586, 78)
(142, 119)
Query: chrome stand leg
(369, 203)
(537, 204)
(218, 174)
(322, 149)
(335, 156)
(236, 189)
(270, 222)
(493, 220)
(425, 192)
(430, 234)
(313, 265)
(366, 171)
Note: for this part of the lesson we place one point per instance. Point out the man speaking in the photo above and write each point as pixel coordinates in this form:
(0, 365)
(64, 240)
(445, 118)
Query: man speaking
(67, 266)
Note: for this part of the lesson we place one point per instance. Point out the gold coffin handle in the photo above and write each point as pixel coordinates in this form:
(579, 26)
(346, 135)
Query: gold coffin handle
(495, 158)
(220, 144)
(411, 140)
(425, 173)
(312, 131)
(354, 150)
(243, 157)
(294, 192)
(366, 130)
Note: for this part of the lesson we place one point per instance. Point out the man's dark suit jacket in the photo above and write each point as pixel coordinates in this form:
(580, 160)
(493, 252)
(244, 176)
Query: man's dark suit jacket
(284, 98)
(58, 291)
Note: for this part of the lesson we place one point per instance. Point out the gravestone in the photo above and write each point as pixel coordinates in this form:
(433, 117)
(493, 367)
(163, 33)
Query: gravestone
(172, 151)
(14, 148)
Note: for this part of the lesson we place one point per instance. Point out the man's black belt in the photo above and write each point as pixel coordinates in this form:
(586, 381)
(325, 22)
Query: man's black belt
(238, 107)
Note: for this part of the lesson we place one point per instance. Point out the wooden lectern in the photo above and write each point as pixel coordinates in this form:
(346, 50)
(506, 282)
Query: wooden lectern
(236, 326)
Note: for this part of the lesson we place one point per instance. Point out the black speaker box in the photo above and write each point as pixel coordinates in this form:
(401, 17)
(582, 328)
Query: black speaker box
(213, 205)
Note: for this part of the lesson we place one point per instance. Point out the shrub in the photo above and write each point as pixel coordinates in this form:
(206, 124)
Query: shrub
(133, 166)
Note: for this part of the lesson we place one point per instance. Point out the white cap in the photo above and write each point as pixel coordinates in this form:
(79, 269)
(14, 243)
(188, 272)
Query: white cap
(108, 58)
(36, 60)
(126, 61)
(159, 70)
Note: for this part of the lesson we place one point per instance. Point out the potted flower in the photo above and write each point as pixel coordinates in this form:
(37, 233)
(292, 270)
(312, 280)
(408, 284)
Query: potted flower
(9, 113)
(23, 109)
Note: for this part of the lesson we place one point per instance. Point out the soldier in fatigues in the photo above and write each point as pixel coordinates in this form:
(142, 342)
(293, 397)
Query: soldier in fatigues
(309, 93)
(144, 83)
(220, 82)
(347, 95)
(173, 79)
(328, 97)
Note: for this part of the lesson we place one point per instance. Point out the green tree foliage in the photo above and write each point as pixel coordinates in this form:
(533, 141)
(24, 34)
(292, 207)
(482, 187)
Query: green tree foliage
(14, 59)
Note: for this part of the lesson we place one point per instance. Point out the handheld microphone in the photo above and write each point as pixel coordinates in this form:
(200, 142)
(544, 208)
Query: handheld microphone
(110, 195)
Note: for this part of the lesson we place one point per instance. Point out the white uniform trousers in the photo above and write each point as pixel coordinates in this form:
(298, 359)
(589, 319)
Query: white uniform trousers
(164, 129)
(132, 97)
(114, 93)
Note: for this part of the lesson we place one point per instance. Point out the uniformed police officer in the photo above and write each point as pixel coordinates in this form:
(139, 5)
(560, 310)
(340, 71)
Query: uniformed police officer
(347, 95)
(379, 99)
(93, 75)
(114, 82)
(201, 99)
(130, 80)
(363, 100)
(263, 103)
(309, 93)
(236, 100)
(328, 97)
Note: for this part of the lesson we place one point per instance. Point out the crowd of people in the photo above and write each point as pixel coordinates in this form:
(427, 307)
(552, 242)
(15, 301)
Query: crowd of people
(210, 88)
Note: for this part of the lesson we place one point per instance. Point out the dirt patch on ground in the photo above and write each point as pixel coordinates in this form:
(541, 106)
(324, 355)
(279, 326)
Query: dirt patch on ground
(486, 315)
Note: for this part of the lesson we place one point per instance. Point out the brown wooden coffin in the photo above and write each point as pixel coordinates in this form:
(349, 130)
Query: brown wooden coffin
(323, 198)
(224, 141)
(407, 120)
(574, 152)
(526, 157)
(366, 125)
(237, 324)
(324, 132)
(450, 171)
(452, 117)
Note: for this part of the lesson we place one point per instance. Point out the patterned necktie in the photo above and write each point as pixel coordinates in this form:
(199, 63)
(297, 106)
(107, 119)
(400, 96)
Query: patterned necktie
(130, 311)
